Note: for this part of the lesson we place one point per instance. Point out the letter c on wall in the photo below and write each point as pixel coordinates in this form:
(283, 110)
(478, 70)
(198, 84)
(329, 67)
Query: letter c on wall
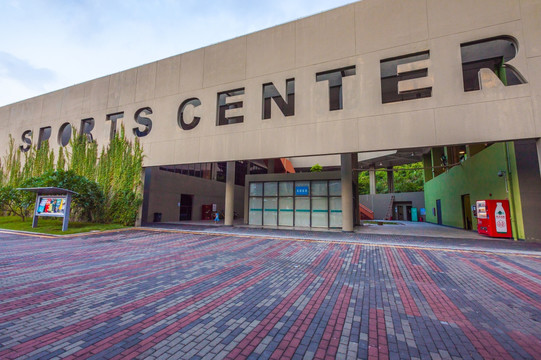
(195, 102)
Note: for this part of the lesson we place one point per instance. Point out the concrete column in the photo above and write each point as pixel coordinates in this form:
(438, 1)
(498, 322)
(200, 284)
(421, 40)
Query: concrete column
(538, 143)
(270, 166)
(214, 171)
(355, 190)
(390, 179)
(229, 193)
(246, 203)
(347, 192)
(372, 179)
(142, 213)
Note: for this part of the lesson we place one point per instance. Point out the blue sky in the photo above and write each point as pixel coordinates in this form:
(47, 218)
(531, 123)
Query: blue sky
(51, 44)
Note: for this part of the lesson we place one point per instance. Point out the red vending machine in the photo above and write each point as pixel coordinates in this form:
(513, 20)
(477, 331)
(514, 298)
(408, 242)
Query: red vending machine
(206, 212)
(493, 218)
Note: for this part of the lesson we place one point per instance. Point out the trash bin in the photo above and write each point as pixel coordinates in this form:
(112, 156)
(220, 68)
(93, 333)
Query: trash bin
(157, 217)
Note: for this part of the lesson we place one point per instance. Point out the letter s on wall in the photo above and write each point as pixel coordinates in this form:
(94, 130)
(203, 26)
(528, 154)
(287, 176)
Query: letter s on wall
(142, 121)
(26, 138)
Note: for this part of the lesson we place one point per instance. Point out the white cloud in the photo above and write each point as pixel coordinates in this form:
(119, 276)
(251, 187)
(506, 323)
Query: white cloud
(61, 43)
(26, 74)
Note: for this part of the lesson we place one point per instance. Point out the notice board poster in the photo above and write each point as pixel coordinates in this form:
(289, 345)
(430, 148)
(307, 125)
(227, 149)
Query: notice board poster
(51, 206)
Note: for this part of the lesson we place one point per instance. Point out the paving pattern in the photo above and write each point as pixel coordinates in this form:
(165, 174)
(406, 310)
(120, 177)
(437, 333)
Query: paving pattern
(159, 294)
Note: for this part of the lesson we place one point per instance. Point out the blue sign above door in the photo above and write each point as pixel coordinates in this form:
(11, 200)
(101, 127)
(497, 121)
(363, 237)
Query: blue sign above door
(302, 190)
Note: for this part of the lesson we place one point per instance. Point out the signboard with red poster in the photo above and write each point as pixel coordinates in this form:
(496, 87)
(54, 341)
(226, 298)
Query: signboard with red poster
(51, 206)
(52, 202)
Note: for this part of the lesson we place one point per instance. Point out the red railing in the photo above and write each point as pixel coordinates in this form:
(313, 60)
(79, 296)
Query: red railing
(365, 213)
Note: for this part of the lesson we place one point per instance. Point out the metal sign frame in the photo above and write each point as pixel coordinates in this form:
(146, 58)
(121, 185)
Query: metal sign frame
(64, 214)
(44, 196)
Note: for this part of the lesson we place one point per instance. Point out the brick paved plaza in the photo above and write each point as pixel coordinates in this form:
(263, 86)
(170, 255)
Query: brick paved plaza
(159, 294)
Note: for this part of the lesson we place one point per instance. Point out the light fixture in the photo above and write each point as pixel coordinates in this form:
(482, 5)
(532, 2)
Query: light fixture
(443, 159)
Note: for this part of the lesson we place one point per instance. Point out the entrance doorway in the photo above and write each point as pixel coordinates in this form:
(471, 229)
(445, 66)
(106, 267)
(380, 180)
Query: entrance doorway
(399, 211)
(438, 211)
(466, 212)
(402, 210)
(186, 202)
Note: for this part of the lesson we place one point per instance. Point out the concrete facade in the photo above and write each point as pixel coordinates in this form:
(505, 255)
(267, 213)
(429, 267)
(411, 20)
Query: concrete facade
(360, 35)
(529, 185)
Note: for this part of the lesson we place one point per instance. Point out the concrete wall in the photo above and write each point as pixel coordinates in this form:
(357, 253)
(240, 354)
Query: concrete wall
(361, 35)
(530, 188)
(379, 203)
(166, 187)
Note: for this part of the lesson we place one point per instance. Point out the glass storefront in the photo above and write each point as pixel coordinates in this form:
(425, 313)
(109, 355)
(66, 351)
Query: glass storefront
(256, 210)
(286, 211)
(296, 203)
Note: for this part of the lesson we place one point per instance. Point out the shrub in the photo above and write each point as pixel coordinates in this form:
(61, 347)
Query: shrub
(16, 201)
(87, 204)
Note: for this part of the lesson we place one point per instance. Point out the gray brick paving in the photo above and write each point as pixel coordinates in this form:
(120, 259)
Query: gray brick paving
(245, 293)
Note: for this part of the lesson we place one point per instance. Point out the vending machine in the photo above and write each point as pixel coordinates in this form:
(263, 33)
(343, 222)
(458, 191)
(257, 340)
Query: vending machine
(493, 218)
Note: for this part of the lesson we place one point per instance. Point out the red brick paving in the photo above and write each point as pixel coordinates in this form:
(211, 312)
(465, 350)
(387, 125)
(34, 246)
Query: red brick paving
(151, 294)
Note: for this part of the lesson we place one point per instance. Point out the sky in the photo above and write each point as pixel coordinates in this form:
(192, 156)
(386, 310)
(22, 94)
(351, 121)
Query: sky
(46, 45)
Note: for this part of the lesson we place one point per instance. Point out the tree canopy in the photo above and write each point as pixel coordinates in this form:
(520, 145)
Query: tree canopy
(407, 178)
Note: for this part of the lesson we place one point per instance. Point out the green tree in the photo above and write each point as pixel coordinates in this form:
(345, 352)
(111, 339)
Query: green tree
(61, 162)
(381, 182)
(83, 158)
(117, 171)
(16, 201)
(119, 174)
(38, 161)
(111, 183)
(11, 167)
(407, 178)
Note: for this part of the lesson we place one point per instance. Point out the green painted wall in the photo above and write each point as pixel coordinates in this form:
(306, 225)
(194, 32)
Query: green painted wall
(518, 223)
(476, 176)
